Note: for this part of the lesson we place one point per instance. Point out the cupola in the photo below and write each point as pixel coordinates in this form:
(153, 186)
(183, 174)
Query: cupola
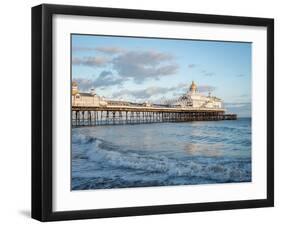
(193, 87)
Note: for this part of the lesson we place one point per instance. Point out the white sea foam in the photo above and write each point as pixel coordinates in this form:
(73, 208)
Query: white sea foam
(98, 163)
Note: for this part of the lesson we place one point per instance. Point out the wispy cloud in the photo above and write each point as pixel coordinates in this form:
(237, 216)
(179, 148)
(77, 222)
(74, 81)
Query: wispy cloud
(142, 65)
(90, 61)
(102, 49)
(148, 92)
(82, 48)
(106, 78)
(236, 104)
(244, 95)
(110, 49)
(192, 65)
(137, 66)
(206, 88)
(242, 109)
(84, 84)
(207, 73)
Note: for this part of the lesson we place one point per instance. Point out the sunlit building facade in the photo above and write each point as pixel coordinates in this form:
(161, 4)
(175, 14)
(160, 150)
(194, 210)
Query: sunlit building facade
(193, 98)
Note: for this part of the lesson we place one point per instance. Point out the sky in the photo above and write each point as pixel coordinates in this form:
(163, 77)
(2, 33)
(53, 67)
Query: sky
(155, 70)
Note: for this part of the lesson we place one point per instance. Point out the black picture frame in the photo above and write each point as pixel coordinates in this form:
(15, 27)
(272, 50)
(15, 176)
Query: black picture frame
(42, 111)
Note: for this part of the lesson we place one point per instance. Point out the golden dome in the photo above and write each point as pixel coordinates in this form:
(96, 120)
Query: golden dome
(74, 88)
(193, 87)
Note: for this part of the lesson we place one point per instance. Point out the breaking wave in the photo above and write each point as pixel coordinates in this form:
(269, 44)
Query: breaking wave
(97, 163)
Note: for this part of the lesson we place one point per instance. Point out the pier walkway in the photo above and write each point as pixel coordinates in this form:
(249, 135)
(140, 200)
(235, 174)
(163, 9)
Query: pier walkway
(121, 115)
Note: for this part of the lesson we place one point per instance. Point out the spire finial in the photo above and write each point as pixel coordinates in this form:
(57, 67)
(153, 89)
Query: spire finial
(193, 87)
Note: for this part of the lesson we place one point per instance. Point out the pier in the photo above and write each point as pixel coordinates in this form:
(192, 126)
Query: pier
(121, 115)
(90, 109)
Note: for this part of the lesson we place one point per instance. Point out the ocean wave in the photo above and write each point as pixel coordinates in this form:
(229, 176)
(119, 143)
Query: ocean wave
(121, 162)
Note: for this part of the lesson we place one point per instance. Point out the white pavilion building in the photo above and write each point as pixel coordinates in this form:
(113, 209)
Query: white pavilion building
(193, 98)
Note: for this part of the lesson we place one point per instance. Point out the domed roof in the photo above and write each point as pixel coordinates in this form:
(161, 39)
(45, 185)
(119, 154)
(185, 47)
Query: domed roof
(74, 88)
(193, 87)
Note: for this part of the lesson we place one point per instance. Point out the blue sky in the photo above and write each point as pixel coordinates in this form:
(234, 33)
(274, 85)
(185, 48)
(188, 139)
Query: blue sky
(151, 69)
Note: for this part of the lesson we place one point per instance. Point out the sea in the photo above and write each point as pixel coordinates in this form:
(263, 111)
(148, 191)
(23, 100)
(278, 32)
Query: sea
(161, 154)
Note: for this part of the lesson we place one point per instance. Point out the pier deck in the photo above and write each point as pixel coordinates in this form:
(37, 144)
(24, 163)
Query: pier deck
(120, 115)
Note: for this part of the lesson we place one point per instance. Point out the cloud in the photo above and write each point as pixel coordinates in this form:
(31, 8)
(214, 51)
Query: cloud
(134, 65)
(109, 49)
(207, 73)
(242, 98)
(84, 85)
(242, 109)
(102, 49)
(240, 75)
(82, 48)
(206, 88)
(148, 92)
(90, 61)
(236, 104)
(142, 65)
(103, 81)
(106, 78)
(244, 95)
(192, 65)
(141, 94)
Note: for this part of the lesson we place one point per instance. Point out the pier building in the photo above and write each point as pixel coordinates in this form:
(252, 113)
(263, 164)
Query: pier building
(193, 98)
(88, 108)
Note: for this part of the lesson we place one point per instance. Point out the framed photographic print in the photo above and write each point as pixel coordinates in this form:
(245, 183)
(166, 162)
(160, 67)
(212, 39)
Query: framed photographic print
(145, 112)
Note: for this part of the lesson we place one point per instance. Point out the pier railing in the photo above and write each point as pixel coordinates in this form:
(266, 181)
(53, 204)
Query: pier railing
(121, 115)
